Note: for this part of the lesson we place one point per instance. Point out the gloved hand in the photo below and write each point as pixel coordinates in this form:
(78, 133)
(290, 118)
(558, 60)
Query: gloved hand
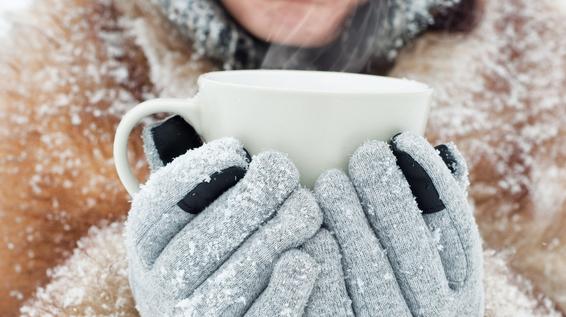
(329, 297)
(408, 239)
(211, 234)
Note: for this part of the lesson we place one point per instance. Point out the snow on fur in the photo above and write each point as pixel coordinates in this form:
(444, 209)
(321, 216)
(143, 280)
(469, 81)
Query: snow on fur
(94, 282)
(449, 63)
(69, 72)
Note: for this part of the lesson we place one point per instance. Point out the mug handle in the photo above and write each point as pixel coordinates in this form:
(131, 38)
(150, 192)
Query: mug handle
(186, 108)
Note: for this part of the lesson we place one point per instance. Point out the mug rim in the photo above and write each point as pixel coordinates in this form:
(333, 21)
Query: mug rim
(410, 86)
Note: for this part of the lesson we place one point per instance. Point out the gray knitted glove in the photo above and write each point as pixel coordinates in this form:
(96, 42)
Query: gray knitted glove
(409, 242)
(329, 297)
(237, 255)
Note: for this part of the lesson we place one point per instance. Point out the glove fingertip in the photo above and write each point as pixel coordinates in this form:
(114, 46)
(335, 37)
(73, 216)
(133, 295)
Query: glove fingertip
(421, 184)
(455, 161)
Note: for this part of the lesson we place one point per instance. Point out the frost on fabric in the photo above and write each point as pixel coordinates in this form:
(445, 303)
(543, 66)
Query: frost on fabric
(406, 20)
(287, 293)
(169, 185)
(211, 32)
(233, 287)
(195, 251)
(94, 282)
(499, 95)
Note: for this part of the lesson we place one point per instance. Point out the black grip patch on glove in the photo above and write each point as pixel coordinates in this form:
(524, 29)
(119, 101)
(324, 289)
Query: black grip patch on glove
(174, 137)
(423, 189)
(206, 192)
(447, 157)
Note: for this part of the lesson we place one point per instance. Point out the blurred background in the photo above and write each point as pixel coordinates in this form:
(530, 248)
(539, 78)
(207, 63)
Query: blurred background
(5, 8)
(70, 69)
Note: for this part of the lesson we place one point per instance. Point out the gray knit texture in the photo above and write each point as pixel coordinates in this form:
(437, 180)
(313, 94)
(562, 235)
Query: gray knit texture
(213, 33)
(149, 149)
(218, 262)
(291, 284)
(398, 261)
(258, 250)
(329, 296)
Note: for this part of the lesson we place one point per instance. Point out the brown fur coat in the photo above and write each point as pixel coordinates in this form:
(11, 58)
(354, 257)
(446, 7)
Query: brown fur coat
(72, 67)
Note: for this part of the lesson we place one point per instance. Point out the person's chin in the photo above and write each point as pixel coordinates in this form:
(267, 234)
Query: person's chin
(305, 23)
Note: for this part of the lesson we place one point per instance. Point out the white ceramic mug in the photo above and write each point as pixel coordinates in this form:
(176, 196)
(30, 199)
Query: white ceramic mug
(317, 118)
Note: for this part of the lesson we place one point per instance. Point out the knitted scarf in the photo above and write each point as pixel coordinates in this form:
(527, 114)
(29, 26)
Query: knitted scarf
(369, 42)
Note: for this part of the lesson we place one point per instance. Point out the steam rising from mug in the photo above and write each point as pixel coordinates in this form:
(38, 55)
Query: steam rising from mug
(369, 41)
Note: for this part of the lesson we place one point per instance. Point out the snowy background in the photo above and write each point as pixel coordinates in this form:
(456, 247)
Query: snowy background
(64, 277)
(7, 7)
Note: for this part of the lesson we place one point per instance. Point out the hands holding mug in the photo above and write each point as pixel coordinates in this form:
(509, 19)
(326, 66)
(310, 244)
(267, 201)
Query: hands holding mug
(406, 233)
(316, 118)
(215, 232)
(397, 239)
